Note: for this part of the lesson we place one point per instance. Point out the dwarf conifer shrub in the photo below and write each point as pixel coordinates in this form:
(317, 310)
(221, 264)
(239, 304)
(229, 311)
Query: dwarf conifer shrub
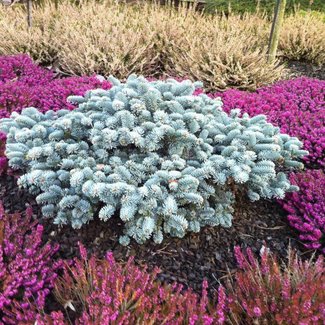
(163, 160)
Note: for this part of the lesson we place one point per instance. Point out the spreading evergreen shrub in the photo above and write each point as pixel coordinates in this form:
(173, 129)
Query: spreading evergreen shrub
(162, 159)
(296, 106)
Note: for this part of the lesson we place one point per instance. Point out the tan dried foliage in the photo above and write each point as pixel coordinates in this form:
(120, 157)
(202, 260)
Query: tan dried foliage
(303, 38)
(109, 38)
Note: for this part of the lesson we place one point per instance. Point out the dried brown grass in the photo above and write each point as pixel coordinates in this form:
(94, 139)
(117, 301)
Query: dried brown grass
(109, 38)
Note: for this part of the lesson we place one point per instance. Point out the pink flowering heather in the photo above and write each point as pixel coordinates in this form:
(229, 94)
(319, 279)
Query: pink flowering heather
(37, 87)
(21, 67)
(27, 272)
(107, 292)
(306, 208)
(24, 84)
(297, 106)
(264, 293)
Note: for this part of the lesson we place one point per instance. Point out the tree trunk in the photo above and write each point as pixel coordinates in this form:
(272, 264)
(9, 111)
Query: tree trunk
(29, 13)
(276, 28)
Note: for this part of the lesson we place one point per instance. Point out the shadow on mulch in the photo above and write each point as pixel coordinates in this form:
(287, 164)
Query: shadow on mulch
(208, 254)
(306, 69)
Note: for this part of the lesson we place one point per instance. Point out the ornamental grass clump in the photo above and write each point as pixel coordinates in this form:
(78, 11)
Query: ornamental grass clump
(297, 106)
(306, 208)
(264, 292)
(160, 158)
(107, 292)
(27, 271)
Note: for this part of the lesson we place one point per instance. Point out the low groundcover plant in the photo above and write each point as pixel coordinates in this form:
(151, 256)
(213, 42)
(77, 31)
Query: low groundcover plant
(107, 292)
(163, 159)
(306, 208)
(27, 271)
(266, 292)
(21, 67)
(23, 84)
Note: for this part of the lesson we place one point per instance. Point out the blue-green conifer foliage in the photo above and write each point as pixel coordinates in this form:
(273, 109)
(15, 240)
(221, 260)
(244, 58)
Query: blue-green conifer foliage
(150, 153)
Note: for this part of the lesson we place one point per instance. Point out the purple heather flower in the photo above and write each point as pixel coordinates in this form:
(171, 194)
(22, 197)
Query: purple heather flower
(27, 270)
(306, 208)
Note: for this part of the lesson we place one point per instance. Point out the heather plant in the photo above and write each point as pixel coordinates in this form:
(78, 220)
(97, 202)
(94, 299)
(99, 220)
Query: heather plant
(21, 67)
(263, 292)
(296, 106)
(153, 40)
(24, 84)
(48, 95)
(303, 39)
(306, 208)
(27, 271)
(107, 292)
(165, 160)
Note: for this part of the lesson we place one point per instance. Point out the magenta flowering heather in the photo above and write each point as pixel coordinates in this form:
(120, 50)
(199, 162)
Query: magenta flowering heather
(297, 106)
(107, 292)
(27, 271)
(306, 208)
(264, 292)
(21, 67)
(49, 95)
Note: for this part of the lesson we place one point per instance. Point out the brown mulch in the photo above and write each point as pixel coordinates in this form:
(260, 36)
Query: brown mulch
(208, 254)
(306, 69)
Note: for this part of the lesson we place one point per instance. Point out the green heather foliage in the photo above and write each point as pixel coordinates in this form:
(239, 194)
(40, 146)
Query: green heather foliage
(162, 159)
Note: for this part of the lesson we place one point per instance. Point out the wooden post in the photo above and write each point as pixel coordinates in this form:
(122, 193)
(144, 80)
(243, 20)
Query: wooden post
(29, 13)
(275, 30)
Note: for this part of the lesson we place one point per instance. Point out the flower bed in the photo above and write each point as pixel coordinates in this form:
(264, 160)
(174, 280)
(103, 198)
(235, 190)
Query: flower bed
(104, 290)
(93, 291)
